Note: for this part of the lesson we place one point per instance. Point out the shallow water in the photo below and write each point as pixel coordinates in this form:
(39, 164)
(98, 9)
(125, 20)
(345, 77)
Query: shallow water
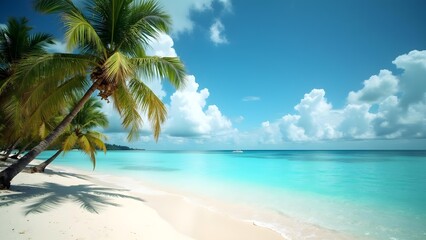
(368, 194)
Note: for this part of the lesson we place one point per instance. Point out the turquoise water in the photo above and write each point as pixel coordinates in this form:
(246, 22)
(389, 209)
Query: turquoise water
(369, 194)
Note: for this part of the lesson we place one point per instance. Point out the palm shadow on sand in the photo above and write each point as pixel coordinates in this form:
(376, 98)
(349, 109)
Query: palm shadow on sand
(47, 196)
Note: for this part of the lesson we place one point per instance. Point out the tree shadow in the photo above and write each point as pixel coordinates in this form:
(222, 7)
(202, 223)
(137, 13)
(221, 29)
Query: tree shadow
(48, 196)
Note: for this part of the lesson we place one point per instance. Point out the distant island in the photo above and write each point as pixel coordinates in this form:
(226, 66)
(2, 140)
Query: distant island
(119, 147)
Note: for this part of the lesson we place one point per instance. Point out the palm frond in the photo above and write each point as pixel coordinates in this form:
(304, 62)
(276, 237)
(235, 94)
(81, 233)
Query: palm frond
(145, 21)
(97, 139)
(17, 43)
(161, 67)
(38, 41)
(118, 68)
(54, 6)
(13, 117)
(91, 115)
(128, 110)
(87, 148)
(54, 67)
(70, 141)
(97, 119)
(42, 132)
(79, 32)
(150, 104)
(5, 84)
(14, 39)
(109, 19)
(45, 104)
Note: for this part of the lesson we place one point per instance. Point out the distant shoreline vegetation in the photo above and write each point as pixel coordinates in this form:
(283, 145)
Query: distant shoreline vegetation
(119, 147)
(112, 147)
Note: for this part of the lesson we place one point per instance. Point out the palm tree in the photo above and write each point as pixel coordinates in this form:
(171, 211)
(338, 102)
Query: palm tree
(111, 36)
(16, 42)
(81, 133)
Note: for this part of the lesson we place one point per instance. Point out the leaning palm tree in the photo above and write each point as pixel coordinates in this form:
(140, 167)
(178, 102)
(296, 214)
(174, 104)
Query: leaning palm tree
(80, 133)
(16, 42)
(111, 36)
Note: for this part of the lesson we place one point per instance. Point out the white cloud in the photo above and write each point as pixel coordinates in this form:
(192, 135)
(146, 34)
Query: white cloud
(180, 12)
(290, 130)
(316, 116)
(386, 121)
(162, 46)
(399, 103)
(251, 99)
(316, 120)
(413, 79)
(269, 134)
(356, 122)
(404, 115)
(189, 116)
(376, 89)
(217, 33)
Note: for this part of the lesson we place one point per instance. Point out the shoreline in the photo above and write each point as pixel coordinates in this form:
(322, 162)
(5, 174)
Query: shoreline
(72, 203)
(271, 220)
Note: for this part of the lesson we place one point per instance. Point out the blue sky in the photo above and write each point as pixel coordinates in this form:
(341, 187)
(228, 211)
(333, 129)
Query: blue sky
(286, 74)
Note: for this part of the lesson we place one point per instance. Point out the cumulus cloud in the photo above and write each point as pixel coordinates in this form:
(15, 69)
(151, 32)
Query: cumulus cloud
(413, 79)
(288, 127)
(356, 122)
(376, 89)
(162, 46)
(387, 107)
(315, 120)
(217, 33)
(180, 11)
(403, 115)
(190, 117)
(269, 134)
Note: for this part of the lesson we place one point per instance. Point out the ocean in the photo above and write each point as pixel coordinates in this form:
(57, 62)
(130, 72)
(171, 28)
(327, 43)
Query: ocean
(364, 194)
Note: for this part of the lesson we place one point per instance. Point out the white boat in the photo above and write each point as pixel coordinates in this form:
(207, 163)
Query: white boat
(237, 151)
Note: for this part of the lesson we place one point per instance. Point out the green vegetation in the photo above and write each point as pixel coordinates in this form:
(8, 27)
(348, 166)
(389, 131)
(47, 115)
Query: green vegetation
(16, 43)
(108, 39)
(80, 133)
(119, 147)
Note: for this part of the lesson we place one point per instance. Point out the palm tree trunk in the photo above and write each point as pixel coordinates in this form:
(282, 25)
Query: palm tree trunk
(21, 151)
(10, 149)
(9, 173)
(40, 168)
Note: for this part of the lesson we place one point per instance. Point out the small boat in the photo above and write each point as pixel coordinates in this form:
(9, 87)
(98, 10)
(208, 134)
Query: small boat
(237, 151)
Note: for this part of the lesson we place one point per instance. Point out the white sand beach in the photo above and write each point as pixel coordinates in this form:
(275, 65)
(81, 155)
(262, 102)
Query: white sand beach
(73, 204)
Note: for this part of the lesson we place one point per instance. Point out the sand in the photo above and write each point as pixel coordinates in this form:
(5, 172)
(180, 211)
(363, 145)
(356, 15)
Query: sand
(67, 203)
